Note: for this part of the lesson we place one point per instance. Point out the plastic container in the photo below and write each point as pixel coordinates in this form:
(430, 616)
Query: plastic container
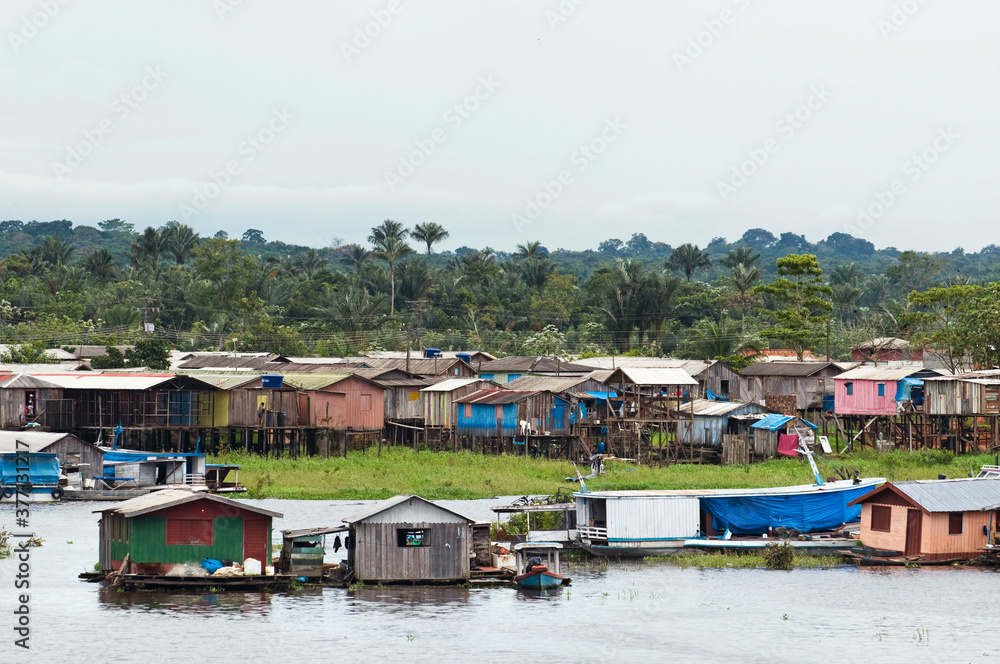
(251, 567)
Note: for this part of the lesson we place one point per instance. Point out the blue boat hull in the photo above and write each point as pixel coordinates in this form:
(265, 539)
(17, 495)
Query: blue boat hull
(539, 581)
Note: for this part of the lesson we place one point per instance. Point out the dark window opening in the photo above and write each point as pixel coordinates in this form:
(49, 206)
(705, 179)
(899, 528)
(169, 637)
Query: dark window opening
(850, 388)
(881, 518)
(955, 521)
(412, 538)
(724, 386)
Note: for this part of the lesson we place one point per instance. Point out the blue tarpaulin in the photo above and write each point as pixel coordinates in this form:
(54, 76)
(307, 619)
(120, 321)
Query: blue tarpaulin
(777, 422)
(603, 396)
(710, 395)
(812, 512)
(41, 468)
(905, 386)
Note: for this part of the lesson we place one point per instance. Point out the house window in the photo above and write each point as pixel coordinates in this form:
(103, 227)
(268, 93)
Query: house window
(410, 538)
(881, 389)
(468, 410)
(955, 523)
(366, 402)
(724, 386)
(189, 531)
(881, 518)
(850, 388)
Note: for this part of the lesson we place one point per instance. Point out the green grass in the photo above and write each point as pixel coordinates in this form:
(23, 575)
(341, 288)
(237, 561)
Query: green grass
(446, 475)
(743, 561)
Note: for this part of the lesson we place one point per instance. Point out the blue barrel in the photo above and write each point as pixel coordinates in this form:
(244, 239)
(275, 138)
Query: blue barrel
(431, 353)
(465, 357)
(600, 448)
(272, 381)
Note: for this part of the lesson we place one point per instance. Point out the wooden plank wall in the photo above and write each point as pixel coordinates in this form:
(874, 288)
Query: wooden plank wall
(378, 557)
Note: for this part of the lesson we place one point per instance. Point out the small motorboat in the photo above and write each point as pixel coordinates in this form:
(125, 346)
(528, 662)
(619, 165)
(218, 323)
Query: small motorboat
(537, 566)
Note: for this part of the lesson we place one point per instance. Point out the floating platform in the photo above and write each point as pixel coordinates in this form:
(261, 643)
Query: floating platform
(199, 583)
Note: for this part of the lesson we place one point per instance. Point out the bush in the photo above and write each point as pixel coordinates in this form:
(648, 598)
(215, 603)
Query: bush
(779, 556)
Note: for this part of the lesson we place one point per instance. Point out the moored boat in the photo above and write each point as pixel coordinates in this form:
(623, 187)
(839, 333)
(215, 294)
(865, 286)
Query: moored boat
(534, 573)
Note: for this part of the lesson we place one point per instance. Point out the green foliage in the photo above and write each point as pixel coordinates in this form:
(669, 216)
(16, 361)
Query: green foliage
(29, 353)
(779, 556)
(801, 308)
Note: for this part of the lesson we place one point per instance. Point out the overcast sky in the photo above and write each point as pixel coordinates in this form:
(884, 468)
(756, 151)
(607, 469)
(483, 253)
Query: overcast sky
(507, 121)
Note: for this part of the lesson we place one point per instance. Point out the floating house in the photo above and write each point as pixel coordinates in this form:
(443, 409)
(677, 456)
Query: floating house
(708, 421)
(70, 450)
(177, 526)
(933, 519)
(972, 393)
(635, 523)
(882, 390)
(409, 539)
(507, 369)
(498, 413)
(808, 382)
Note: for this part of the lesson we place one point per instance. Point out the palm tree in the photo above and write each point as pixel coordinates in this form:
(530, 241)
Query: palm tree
(850, 274)
(387, 229)
(741, 255)
(660, 292)
(355, 256)
(845, 296)
(708, 339)
(101, 263)
(390, 249)
(743, 279)
(151, 244)
(688, 258)
(308, 263)
(57, 251)
(429, 233)
(181, 240)
(354, 312)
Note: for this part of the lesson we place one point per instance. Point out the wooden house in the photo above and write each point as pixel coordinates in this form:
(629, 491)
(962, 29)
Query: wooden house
(586, 395)
(246, 402)
(934, 519)
(705, 422)
(507, 369)
(498, 413)
(808, 382)
(409, 539)
(768, 433)
(881, 390)
(973, 393)
(712, 375)
(886, 349)
(651, 393)
(177, 526)
(26, 399)
(340, 401)
(70, 450)
(402, 398)
(439, 399)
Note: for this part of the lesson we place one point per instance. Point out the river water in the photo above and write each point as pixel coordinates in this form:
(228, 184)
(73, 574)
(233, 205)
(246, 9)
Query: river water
(613, 612)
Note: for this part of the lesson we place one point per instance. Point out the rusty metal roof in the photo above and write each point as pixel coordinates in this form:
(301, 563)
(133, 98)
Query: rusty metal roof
(532, 364)
(497, 397)
(550, 383)
(158, 500)
(706, 408)
(389, 503)
(790, 369)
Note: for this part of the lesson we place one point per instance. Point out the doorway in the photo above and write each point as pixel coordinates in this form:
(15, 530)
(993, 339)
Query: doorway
(914, 530)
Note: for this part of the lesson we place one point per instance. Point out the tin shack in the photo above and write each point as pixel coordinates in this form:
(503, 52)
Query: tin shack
(409, 539)
(177, 526)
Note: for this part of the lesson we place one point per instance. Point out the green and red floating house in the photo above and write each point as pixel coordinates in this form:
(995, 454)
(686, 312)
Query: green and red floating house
(173, 527)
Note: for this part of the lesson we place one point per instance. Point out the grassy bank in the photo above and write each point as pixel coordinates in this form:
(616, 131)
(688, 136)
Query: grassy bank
(444, 475)
(741, 561)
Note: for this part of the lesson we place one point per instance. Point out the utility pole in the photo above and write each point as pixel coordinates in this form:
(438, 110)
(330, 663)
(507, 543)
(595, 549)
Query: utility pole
(827, 339)
(145, 312)
(409, 332)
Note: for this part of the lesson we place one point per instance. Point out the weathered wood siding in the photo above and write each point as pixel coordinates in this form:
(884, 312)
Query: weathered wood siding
(713, 378)
(404, 403)
(244, 404)
(960, 397)
(439, 407)
(72, 448)
(865, 399)
(323, 410)
(13, 413)
(365, 403)
(808, 391)
(378, 556)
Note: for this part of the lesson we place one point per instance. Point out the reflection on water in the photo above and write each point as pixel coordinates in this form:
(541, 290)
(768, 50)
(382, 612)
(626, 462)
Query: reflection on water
(184, 603)
(394, 598)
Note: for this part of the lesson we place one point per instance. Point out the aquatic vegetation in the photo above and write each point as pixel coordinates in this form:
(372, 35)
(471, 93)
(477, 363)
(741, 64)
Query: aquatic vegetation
(743, 561)
(779, 556)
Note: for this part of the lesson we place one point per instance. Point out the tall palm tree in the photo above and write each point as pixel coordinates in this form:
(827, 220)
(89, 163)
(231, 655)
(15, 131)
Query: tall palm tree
(151, 243)
(743, 279)
(388, 228)
(708, 339)
(531, 250)
(308, 263)
(688, 258)
(850, 274)
(101, 263)
(390, 249)
(181, 240)
(57, 251)
(741, 255)
(845, 296)
(429, 233)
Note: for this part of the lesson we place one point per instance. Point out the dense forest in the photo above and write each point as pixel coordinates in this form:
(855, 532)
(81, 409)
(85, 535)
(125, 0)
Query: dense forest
(64, 284)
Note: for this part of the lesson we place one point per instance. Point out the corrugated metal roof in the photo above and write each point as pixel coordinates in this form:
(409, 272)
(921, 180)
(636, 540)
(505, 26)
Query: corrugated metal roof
(227, 382)
(57, 367)
(158, 500)
(532, 364)
(772, 422)
(314, 381)
(691, 367)
(550, 383)
(790, 369)
(417, 365)
(884, 343)
(389, 503)
(496, 397)
(107, 381)
(880, 373)
(389, 383)
(707, 408)
(959, 495)
(23, 381)
(31, 441)
(451, 384)
(654, 377)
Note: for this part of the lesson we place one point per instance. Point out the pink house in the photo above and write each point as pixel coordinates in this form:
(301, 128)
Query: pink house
(871, 390)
